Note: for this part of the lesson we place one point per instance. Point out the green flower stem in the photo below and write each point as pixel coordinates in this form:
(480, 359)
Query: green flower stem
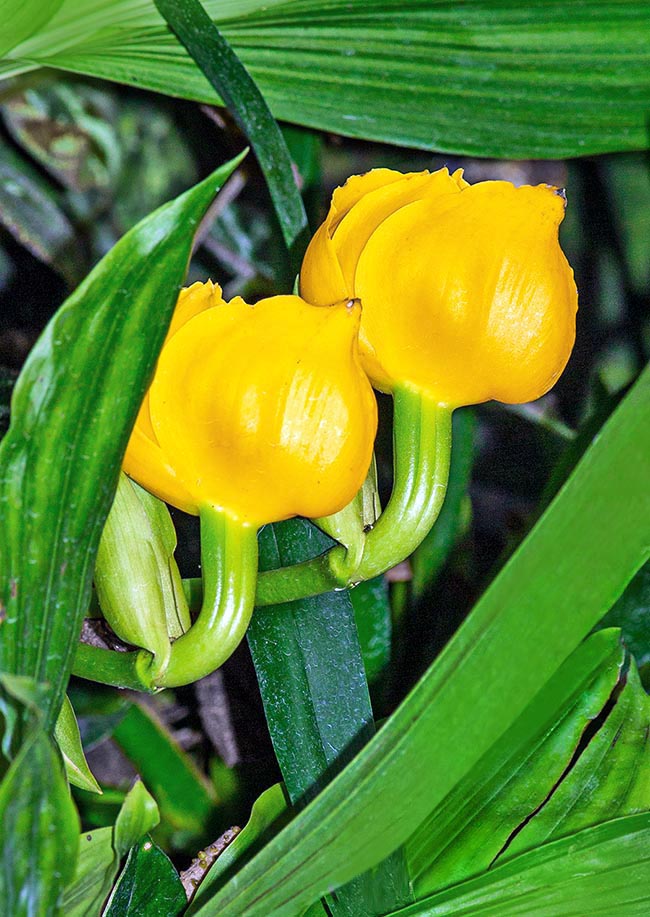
(422, 453)
(109, 667)
(229, 561)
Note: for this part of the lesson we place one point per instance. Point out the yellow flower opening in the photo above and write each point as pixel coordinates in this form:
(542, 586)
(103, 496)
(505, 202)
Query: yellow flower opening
(466, 293)
(262, 411)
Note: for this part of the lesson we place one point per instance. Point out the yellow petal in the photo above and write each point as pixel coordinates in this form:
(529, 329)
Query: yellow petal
(192, 300)
(357, 209)
(147, 464)
(144, 460)
(264, 410)
(469, 296)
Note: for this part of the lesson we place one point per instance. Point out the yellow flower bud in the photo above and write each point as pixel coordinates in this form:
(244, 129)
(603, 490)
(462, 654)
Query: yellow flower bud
(261, 411)
(466, 293)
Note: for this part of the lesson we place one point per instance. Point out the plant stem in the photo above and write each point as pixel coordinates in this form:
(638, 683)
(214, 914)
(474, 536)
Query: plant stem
(422, 453)
(229, 562)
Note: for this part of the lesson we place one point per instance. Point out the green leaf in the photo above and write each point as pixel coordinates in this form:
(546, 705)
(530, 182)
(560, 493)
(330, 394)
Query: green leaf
(559, 79)
(610, 779)
(372, 614)
(38, 842)
(148, 887)
(229, 77)
(138, 815)
(72, 410)
(478, 687)
(465, 835)
(600, 870)
(313, 685)
(20, 20)
(96, 869)
(310, 670)
(268, 815)
(68, 739)
(100, 853)
(632, 614)
(185, 797)
(31, 210)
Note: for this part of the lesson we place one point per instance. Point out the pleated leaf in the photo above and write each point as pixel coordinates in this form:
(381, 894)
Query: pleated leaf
(486, 77)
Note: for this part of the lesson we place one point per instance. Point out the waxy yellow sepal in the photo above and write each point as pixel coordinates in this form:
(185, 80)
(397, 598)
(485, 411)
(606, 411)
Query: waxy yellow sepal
(466, 293)
(261, 411)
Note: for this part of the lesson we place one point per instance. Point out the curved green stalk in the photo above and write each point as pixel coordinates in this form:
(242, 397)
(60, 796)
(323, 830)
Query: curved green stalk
(422, 453)
(229, 562)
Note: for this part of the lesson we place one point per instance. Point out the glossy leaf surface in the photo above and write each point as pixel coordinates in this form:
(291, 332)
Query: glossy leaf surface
(100, 853)
(72, 411)
(68, 739)
(559, 79)
(313, 684)
(148, 887)
(477, 688)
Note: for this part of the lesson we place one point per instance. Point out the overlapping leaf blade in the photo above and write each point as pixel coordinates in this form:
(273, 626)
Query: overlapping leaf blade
(601, 870)
(558, 79)
(469, 830)
(72, 410)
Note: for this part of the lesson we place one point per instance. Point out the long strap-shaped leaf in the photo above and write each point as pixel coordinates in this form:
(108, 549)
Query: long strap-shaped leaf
(603, 870)
(313, 684)
(212, 53)
(72, 410)
(570, 569)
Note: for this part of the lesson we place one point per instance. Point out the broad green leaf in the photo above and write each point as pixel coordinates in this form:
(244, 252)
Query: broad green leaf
(22, 19)
(148, 887)
(185, 797)
(313, 685)
(593, 538)
(602, 870)
(469, 830)
(310, 670)
(100, 853)
(138, 815)
(269, 813)
(230, 79)
(610, 779)
(66, 733)
(558, 79)
(38, 842)
(72, 410)
(96, 869)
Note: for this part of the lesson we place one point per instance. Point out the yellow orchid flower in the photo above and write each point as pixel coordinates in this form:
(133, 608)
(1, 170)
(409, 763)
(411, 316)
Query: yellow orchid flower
(466, 297)
(466, 293)
(255, 414)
